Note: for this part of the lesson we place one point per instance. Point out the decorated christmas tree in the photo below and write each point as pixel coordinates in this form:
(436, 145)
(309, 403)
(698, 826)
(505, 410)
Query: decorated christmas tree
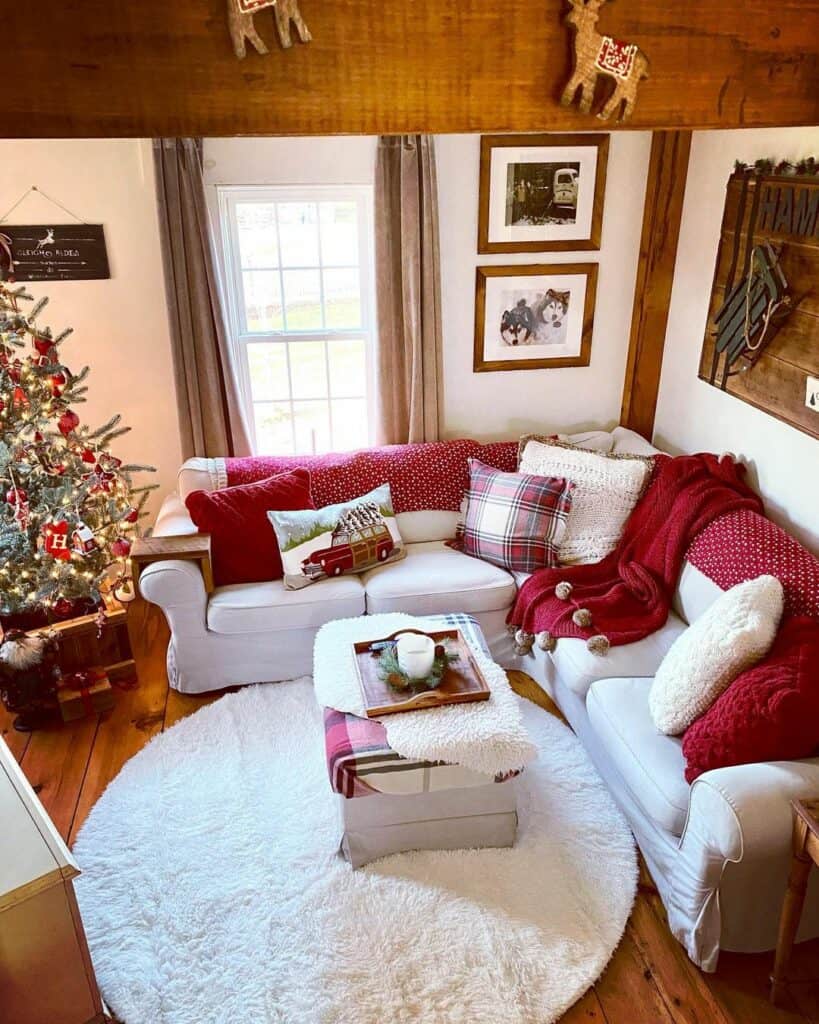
(68, 507)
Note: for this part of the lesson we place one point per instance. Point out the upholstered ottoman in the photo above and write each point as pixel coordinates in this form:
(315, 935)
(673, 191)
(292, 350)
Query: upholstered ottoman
(390, 803)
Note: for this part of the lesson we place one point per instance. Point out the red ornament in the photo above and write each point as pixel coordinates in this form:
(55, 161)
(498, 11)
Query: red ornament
(19, 398)
(15, 495)
(107, 463)
(55, 540)
(58, 382)
(132, 515)
(121, 547)
(43, 345)
(15, 370)
(88, 455)
(68, 422)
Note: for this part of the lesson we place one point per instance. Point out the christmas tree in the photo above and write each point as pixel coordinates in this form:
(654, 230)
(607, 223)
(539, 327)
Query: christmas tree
(68, 507)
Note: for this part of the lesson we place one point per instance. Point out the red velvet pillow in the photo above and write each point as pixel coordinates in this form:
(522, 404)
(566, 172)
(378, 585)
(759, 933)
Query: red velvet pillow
(769, 713)
(244, 548)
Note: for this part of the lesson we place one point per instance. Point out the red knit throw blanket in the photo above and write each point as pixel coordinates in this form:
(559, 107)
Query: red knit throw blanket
(628, 593)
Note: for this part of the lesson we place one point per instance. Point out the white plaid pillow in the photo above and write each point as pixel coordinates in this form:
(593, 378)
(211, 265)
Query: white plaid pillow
(514, 520)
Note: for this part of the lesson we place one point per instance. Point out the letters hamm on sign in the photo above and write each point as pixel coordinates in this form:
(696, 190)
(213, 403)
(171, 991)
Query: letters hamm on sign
(59, 252)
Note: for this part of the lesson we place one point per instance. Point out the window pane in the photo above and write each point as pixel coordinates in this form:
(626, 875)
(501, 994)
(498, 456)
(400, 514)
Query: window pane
(308, 369)
(274, 432)
(258, 245)
(298, 228)
(268, 371)
(302, 290)
(312, 421)
(349, 424)
(263, 300)
(342, 298)
(339, 234)
(348, 368)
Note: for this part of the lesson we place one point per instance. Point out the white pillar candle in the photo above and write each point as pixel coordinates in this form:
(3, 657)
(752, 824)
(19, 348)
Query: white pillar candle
(416, 654)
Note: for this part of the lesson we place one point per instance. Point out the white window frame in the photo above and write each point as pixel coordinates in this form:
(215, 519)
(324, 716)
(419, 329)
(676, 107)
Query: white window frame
(228, 197)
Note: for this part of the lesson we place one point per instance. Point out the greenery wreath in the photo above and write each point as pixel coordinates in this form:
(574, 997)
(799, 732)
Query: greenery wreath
(390, 671)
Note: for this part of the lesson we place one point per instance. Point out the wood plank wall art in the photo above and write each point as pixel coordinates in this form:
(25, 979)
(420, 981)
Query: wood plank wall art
(762, 340)
(156, 68)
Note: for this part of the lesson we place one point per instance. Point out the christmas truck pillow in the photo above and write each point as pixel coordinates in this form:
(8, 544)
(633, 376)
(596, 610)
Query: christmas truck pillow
(346, 538)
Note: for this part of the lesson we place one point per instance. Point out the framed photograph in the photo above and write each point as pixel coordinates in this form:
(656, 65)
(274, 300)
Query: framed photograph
(541, 193)
(534, 318)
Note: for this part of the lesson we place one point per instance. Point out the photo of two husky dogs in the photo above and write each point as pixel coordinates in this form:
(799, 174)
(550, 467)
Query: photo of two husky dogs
(535, 318)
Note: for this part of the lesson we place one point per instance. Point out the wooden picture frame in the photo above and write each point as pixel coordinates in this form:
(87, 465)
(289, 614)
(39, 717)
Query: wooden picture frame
(544, 300)
(502, 212)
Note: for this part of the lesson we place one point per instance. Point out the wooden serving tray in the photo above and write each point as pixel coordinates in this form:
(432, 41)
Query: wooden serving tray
(463, 681)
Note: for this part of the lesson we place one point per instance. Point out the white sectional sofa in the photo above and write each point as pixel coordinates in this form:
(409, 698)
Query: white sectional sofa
(718, 850)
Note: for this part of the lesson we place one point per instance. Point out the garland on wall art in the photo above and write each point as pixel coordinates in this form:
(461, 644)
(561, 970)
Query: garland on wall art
(805, 168)
(595, 56)
(243, 30)
(68, 507)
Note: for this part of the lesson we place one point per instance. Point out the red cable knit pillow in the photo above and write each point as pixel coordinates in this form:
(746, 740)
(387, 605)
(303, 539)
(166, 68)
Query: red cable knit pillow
(244, 548)
(769, 713)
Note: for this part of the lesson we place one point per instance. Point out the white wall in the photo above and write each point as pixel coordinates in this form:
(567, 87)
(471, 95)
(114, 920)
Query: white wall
(120, 325)
(483, 405)
(692, 415)
(498, 405)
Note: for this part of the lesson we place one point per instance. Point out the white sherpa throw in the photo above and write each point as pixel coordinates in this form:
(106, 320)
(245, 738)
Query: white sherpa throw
(487, 736)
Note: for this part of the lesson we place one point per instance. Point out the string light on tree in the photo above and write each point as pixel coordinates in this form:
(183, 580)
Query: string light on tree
(68, 507)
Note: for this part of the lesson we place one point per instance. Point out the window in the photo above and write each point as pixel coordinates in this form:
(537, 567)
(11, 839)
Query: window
(300, 302)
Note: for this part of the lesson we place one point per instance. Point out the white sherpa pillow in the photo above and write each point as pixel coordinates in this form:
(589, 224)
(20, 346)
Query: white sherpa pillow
(735, 633)
(607, 487)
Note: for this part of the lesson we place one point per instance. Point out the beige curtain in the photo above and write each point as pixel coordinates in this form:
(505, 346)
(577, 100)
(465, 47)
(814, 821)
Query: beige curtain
(409, 375)
(211, 421)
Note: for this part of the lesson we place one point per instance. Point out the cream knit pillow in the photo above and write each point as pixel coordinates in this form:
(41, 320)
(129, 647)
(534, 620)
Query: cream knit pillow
(701, 664)
(607, 487)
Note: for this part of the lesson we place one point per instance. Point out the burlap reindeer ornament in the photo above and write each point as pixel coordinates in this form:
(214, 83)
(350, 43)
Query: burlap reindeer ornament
(243, 30)
(594, 55)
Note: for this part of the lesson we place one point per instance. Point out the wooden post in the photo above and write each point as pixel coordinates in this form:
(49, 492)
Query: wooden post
(667, 175)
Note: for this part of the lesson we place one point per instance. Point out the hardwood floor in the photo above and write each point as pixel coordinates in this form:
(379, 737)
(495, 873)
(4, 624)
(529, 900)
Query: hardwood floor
(649, 980)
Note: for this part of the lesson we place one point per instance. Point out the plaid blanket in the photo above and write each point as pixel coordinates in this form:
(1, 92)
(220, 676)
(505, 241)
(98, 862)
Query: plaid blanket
(360, 762)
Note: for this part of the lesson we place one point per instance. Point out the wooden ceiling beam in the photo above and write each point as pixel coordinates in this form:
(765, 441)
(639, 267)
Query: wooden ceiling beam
(154, 67)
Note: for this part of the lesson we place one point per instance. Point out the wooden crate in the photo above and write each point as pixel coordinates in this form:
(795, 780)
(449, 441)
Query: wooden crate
(81, 647)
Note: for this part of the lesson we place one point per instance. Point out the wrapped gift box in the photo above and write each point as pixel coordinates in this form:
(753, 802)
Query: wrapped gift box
(85, 693)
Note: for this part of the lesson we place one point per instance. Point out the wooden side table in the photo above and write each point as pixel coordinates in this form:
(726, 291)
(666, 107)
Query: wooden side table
(805, 855)
(194, 547)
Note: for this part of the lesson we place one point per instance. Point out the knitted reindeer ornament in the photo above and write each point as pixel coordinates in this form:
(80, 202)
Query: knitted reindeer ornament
(594, 55)
(242, 29)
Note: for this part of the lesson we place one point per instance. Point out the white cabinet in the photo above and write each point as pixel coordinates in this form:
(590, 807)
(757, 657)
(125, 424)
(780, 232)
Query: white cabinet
(46, 976)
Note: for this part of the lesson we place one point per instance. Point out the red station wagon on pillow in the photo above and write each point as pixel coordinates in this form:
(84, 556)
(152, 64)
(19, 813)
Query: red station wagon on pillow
(350, 551)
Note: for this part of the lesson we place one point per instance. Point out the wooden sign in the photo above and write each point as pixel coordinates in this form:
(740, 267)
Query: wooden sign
(61, 252)
(759, 348)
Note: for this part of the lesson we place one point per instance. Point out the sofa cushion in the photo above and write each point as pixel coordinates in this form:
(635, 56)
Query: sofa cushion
(735, 632)
(607, 489)
(269, 607)
(651, 765)
(337, 540)
(513, 520)
(769, 713)
(244, 548)
(435, 579)
(579, 668)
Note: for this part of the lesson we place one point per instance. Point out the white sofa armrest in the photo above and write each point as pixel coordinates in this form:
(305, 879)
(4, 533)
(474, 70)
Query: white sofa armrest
(746, 809)
(173, 519)
(736, 816)
(177, 586)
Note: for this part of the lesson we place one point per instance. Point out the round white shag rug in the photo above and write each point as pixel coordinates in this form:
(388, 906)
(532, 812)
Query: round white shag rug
(213, 892)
